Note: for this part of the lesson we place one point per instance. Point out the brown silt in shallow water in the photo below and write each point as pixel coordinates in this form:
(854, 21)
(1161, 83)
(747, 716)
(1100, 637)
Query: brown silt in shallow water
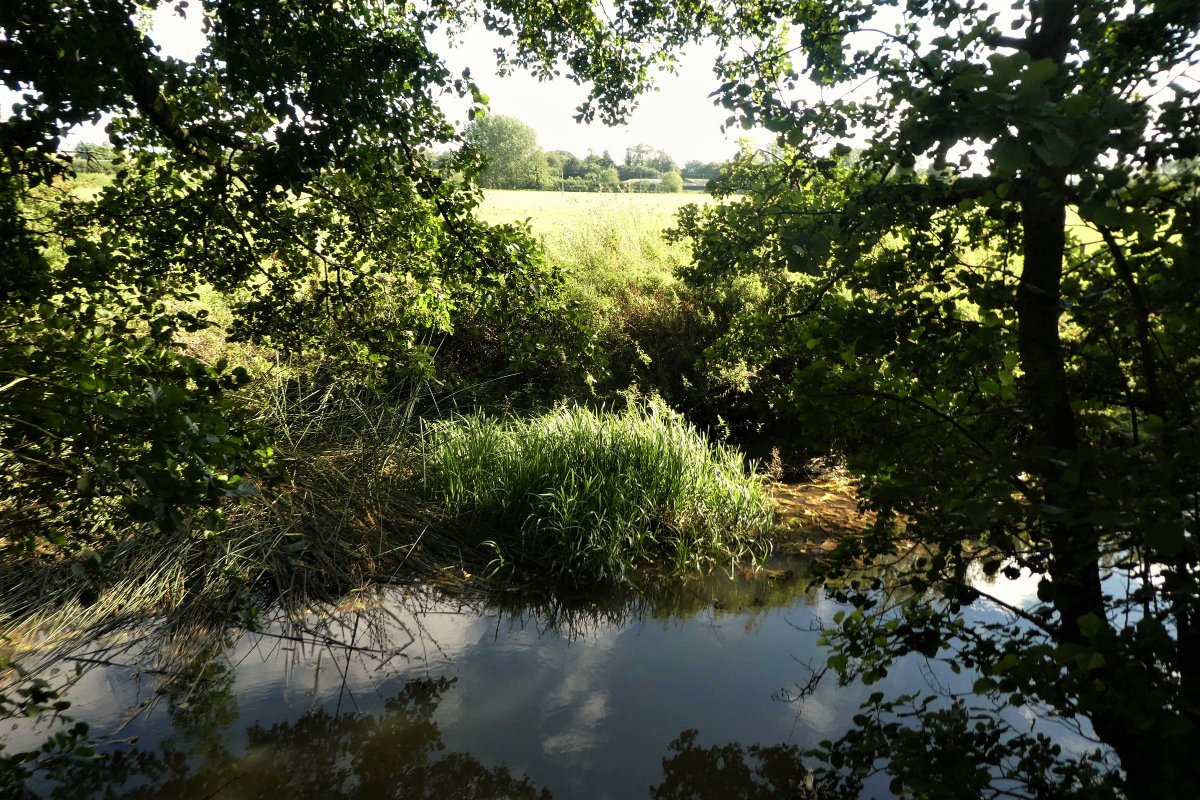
(814, 514)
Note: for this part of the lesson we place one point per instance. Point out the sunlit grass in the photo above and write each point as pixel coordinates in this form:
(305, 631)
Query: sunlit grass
(621, 269)
(611, 245)
(550, 212)
(588, 496)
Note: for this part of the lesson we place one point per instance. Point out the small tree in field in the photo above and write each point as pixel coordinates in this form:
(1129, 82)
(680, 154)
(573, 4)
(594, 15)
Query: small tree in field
(511, 153)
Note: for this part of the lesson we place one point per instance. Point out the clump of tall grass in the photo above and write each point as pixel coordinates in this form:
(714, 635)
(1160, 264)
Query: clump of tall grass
(588, 496)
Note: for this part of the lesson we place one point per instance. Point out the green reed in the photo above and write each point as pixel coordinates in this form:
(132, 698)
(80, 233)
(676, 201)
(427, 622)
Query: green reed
(587, 495)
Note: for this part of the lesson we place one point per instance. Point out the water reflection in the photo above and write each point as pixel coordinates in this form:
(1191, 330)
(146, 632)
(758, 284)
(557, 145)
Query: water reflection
(500, 693)
(672, 689)
(732, 772)
(747, 595)
(397, 753)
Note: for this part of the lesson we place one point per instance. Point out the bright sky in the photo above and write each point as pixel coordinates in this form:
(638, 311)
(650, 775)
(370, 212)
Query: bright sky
(679, 118)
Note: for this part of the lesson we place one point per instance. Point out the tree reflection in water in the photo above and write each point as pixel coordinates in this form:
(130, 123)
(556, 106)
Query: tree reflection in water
(733, 772)
(211, 751)
(394, 754)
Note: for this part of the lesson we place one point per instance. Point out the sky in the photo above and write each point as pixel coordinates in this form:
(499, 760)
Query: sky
(679, 117)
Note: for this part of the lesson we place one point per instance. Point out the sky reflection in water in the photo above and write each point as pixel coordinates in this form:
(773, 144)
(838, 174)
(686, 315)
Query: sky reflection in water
(490, 699)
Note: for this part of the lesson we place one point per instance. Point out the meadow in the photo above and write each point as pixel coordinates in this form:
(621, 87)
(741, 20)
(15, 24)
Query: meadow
(611, 244)
(552, 214)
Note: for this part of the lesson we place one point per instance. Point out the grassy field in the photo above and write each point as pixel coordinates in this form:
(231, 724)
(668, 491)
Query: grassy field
(611, 244)
(549, 213)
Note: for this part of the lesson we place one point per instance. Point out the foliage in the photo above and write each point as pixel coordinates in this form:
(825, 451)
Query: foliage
(538, 353)
(1023, 405)
(289, 169)
(1020, 396)
(955, 750)
(96, 158)
(589, 496)
(672, 182)
(591, 174)
(34, 698)
(604, 181)
(645, 331)
(649, 330)
(644, 161)
(397, 752)
(700, 169)
(758, 772)
(510, 149)
(347, 513)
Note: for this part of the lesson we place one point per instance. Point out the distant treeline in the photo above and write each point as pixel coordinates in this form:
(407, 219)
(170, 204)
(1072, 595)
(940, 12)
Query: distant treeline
(516, 161)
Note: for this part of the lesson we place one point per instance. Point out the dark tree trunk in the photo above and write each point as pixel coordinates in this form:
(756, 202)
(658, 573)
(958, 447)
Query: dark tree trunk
(1062, 480)
(1058, 461)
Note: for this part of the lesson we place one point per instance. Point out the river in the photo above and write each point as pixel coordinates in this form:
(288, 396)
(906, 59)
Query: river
(682, 689)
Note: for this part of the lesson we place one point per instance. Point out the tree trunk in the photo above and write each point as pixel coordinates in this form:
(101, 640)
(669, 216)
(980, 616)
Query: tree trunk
(1061, 477)
(1056, 461)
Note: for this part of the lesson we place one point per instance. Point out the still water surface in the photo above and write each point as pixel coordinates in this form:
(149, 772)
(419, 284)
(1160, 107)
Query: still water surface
(613, 697)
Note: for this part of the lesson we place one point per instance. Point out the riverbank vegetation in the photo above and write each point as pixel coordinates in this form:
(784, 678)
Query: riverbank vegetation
(219, 359)
(592, 495)
(343, 500)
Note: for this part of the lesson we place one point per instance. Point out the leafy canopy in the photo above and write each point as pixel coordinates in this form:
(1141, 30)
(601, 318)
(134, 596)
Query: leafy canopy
(288, 169)
(981, 281)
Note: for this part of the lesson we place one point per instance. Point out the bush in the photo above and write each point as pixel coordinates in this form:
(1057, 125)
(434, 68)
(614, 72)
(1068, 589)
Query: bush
(587, 496)
(671, 182)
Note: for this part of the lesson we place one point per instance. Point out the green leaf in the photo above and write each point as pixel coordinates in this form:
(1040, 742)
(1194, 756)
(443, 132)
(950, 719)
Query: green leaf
(1004, 67)
(1010, 155)
(984, 685)
(1037, 73)
(1089, 625)
(1056, 148)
